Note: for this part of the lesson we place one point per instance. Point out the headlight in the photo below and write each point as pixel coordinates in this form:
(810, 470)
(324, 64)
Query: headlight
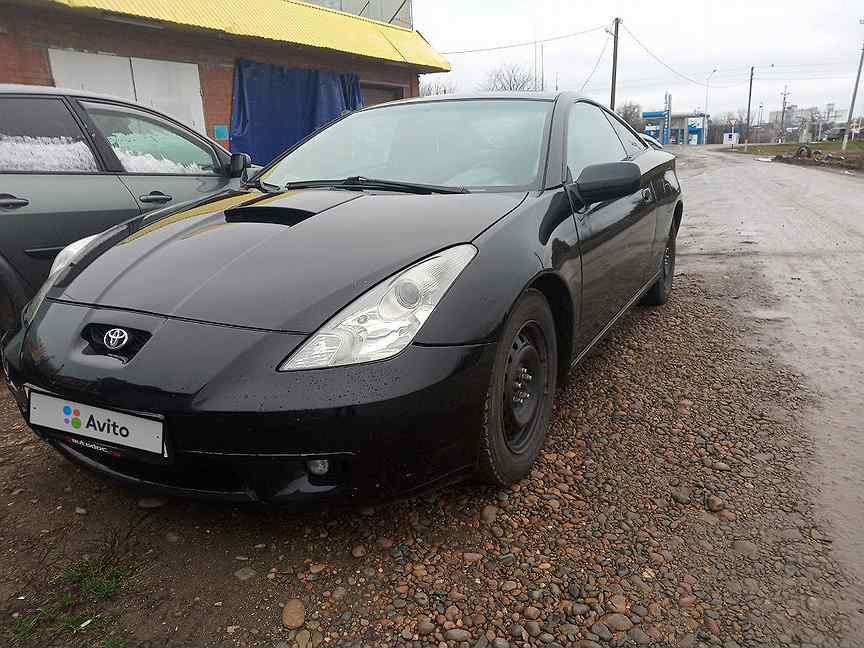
(69, 253)
(385, 320)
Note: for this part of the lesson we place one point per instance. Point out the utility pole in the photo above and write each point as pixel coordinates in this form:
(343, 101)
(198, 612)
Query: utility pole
(783, 115)
(614, 63)
(852, 104)
(749, 97)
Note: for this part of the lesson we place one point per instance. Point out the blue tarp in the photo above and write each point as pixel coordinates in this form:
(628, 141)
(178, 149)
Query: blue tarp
(275, 107)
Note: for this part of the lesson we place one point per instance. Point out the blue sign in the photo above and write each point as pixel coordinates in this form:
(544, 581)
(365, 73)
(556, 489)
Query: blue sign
(220, 132)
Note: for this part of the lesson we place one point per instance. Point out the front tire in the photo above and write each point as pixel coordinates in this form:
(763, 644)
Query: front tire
(521, 392)
(658, 294)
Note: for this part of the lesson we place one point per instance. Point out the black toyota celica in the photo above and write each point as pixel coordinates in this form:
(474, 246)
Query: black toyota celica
(387, 307)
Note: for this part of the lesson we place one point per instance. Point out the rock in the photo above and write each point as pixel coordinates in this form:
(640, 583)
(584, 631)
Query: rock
(715, 504)
(232, 629)
(303, 639)
(532, 628)
(616, 622)
(452, 613)
(601, 631)
(568, 629)
(509, 586)
(472, 557)
(639, 610)
(172, 537)
(723, 467)
(618, 603)
(385, 543)
(425, 628)
(531, 613)
(358, 551)
(293, 614)
(500, 642)
(317, 568)
(245, 573)
(745, 548)
(636, 634)
(457, 634)
(579, 609)
(150, 503)
(407, 635)
(489, 513)
(681, 494)
(338, 593)
(516, 631)
(80, 510)
(587, 643)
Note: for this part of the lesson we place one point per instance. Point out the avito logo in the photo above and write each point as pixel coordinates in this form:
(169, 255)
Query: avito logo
(107, 426)
(71, 417)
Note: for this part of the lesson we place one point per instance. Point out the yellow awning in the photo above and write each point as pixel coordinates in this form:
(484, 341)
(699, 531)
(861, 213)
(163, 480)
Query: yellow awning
(285, 21)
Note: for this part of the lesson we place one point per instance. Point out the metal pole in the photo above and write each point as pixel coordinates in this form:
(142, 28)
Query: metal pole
(783, 116)
(705, 110)
(614, 65)
(749, 98)
(852, 104)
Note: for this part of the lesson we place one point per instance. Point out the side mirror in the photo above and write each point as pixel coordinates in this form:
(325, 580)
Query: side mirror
(602, 182)
(238, 164)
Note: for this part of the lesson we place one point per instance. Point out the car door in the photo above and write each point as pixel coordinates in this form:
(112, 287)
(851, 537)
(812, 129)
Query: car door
(54, 188)
(159, 160)
(652, 193)
(614, 236)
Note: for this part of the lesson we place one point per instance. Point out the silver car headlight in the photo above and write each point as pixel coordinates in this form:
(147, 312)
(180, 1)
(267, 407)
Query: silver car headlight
(66, 256)
(70, 253)
(384, 320)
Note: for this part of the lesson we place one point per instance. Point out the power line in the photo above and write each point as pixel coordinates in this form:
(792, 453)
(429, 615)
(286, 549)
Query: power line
(660, 61)
(599, 58)
(525, 43)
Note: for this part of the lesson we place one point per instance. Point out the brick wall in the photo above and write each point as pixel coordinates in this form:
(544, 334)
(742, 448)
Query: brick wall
(27, 33)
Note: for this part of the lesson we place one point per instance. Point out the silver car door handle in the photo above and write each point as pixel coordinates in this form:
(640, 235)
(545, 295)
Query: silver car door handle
(8, 201)
(155, 197)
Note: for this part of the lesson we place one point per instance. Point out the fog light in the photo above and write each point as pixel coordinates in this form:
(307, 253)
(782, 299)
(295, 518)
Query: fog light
(318, 467)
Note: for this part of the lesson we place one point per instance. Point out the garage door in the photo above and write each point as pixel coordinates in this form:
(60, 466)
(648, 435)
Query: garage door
(167, 86)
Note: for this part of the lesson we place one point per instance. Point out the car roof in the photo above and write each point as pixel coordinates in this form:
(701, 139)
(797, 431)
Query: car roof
(15, 88)
(461, 96)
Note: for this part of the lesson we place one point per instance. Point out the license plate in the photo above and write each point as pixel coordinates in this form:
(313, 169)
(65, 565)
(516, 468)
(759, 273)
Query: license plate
(103, 425)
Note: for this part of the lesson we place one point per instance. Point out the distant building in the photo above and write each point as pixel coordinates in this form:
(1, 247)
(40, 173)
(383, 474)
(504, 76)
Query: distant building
(684, 128)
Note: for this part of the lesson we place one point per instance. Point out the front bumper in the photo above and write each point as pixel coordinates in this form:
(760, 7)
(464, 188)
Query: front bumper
(237, 430)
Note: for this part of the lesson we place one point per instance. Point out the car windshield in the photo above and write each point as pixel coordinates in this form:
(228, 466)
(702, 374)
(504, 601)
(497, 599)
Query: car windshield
(483, 144)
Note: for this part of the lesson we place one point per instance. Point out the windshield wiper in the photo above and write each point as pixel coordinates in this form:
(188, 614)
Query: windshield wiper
(361, 182)
(258, 183)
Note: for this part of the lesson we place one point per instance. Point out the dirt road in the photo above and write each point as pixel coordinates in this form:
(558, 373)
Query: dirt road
(676, 501)
(799, 231)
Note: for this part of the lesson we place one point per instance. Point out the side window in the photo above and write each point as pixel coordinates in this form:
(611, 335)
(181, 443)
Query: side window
(590, 139)
(39, 135)
(632, 144)
(145, 144)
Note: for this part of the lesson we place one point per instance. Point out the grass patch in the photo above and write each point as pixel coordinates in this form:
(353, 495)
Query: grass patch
(74, 600)
(97, 579)
(856, 147)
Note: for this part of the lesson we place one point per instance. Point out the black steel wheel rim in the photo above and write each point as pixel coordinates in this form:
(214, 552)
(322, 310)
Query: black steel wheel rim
(525, 381)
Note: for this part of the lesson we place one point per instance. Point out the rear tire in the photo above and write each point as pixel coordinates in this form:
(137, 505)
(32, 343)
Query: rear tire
(658, 294)
(521, 392)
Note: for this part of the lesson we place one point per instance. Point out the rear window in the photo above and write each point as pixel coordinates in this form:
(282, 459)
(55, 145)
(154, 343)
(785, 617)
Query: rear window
(40, 135)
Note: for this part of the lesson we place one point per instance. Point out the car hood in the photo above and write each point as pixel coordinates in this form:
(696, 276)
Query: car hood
(282, 262)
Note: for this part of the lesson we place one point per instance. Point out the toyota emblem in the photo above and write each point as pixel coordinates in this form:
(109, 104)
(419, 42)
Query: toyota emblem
(115, 338)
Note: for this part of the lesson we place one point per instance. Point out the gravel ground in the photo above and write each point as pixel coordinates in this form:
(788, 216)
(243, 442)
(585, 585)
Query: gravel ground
(670, 506)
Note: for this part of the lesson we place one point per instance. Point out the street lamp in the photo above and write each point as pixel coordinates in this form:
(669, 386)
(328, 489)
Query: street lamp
(705, 116)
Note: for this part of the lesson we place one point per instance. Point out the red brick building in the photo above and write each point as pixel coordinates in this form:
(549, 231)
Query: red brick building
(179, 56)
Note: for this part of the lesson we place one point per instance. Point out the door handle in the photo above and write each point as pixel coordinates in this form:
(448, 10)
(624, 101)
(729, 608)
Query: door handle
(155, 197)
(8, 201)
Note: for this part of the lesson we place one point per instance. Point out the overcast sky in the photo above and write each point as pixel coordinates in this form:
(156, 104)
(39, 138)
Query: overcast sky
(814, 47)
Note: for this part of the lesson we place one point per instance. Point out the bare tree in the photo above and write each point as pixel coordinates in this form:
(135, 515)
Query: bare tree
(631, 112)
(437, 86)
(509, 77)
